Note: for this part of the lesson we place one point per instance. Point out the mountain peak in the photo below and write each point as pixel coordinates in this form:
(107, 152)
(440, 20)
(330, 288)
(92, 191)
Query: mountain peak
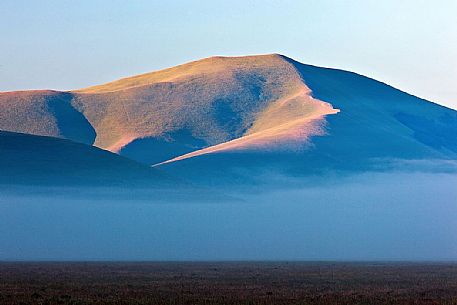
(209, 65)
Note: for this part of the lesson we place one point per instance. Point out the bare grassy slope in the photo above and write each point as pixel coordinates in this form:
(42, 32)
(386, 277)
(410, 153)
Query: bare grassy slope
(46, 113)
(213, 101)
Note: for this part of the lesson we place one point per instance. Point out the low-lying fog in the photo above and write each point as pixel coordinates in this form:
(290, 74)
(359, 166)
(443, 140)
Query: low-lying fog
(409, 216)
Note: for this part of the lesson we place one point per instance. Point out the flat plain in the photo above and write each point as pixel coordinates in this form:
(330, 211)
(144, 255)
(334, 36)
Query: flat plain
(228, 283)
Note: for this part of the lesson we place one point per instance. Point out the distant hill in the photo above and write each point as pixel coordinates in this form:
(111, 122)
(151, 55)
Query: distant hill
(47, 161)
(225, 117)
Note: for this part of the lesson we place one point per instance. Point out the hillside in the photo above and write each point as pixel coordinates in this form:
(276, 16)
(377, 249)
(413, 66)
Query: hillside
(47, 161)
(200, 104)
(45, 113)
(377, 128)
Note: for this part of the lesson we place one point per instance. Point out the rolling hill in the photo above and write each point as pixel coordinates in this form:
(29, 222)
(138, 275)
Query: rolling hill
(45, 113)
(47, 161)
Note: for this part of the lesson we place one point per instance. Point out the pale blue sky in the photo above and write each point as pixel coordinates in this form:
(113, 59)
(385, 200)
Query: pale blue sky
(410, 44)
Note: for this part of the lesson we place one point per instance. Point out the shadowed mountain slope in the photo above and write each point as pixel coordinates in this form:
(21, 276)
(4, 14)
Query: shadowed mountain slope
(39, 160)
(380, 120)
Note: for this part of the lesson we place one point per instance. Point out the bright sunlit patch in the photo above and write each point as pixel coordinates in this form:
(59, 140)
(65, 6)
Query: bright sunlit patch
(290, 121)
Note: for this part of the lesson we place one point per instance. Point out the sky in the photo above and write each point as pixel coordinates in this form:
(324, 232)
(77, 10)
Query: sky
(410, 44)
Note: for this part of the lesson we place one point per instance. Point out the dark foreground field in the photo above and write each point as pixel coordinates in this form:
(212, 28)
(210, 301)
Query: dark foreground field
(228, 283)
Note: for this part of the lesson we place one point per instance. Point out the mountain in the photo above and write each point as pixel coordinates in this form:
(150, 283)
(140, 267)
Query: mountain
(222, 118)
(376, 128)
(157, 116)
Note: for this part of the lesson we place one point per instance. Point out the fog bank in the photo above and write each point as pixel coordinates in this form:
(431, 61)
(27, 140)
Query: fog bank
(401, 216)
